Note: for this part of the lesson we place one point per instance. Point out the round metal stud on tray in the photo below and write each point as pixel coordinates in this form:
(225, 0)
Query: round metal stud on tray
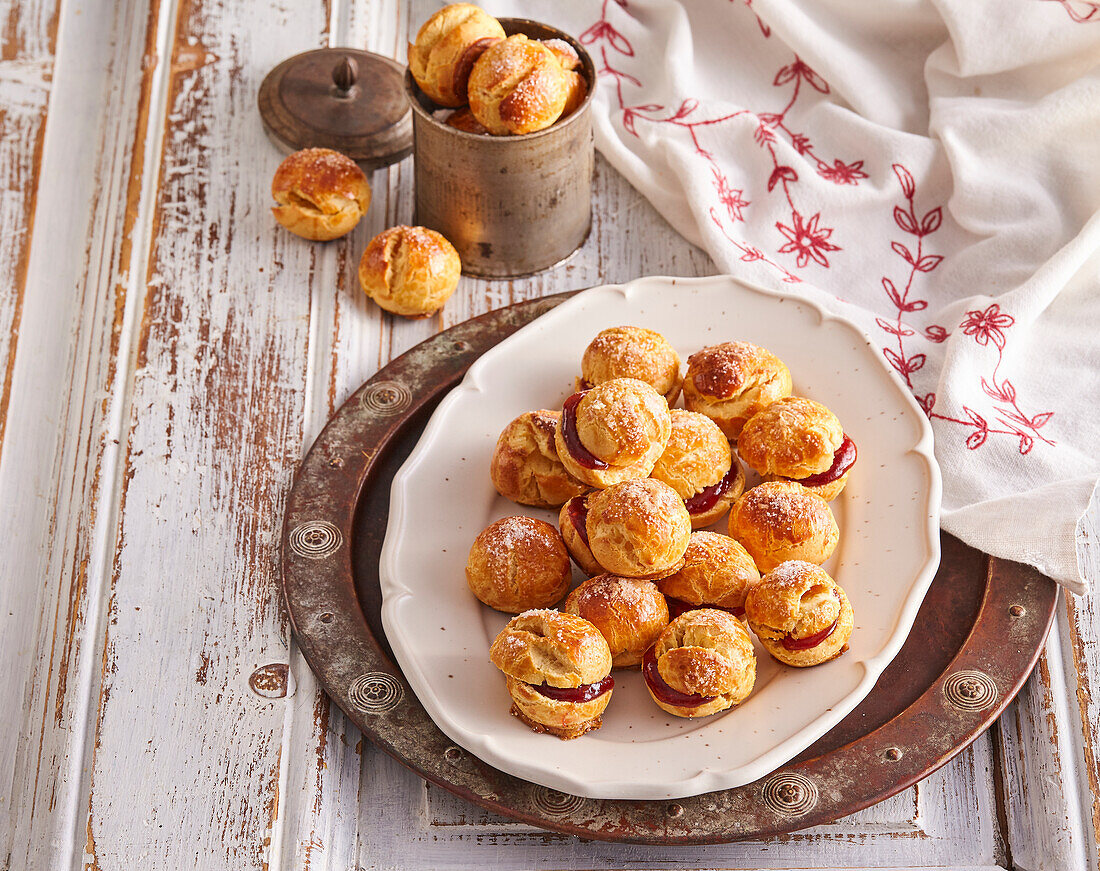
(340, 98)
(974, 642)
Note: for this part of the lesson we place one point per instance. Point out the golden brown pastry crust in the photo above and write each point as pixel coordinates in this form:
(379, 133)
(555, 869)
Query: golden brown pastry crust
(638, 529)
(463, 119)
(828, 492)
(707, 652)
(565, 53)
(440, 60)
(629, 613)
(518, 563)
(525, 466)
(781, 520)
(623, 422)
(321, 194)
(717, 571)
(566, 720)
(794, 437)
(410, 271)
(698, 456)
(574, 543)
(517, 86)
(799, 599)
(731, 382)
(633, 352)
(576, 86)
(542, 646)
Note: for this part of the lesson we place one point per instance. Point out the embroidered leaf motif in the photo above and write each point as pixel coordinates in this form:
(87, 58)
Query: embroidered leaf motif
(1026, 443)
(976, 439)
(905, 220)
(903, 251)
(779, 174)
(1040, 419)
(892, 292)
(929, 262)
(686, 108)
(936, 333)
(931, 222)
(905, 180)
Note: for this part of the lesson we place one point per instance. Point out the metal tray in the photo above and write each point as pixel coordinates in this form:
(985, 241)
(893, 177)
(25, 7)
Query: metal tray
(976, 638)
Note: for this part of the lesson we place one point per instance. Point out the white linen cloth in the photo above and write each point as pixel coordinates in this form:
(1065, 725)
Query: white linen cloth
(928, 168)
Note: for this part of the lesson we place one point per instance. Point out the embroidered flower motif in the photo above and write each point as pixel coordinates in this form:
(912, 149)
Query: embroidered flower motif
(987, 325)
(809, 240)
(843, 173)
(732, 198)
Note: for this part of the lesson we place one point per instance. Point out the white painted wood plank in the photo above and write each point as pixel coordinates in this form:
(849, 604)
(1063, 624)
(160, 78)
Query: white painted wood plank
(67, 387)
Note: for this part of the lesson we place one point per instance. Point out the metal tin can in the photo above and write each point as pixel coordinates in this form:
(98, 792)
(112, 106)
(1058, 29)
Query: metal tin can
(511, 205)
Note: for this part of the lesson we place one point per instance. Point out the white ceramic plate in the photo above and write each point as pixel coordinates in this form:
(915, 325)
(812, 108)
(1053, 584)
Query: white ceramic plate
(442, 498)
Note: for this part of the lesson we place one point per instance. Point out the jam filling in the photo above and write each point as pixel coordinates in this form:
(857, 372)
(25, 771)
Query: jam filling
(810, 640)
(705, 499)
(586, 692)
(461, 75)
(843, 460)
(663, 691)
(578, 451)
(577, 512)
(676, 607)
(586, 384)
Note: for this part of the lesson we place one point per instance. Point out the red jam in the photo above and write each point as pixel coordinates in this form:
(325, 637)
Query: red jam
(663, 691)
(810, 640)
(586, 384)
(843, 460)
(586, 692)
(705, 500)
(578, 451)
(577, 512)
(676, 607)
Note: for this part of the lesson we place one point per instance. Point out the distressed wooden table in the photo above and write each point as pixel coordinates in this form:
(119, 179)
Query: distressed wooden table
(168, 354)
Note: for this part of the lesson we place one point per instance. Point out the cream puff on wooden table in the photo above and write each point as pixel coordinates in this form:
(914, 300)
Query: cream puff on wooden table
(703, 663)
(614, 432)
(731, 382)
(700, 466)
(558, 669)
(779, 520)
(800, 614)
(799, 440)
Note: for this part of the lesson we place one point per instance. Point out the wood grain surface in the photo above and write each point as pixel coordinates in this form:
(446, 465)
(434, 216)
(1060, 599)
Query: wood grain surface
(168, 354)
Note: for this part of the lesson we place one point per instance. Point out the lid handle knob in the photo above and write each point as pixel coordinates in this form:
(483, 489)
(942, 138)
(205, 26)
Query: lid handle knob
(344, 75)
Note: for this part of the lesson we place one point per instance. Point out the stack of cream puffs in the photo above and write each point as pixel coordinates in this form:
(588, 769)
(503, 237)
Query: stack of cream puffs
(636, 483)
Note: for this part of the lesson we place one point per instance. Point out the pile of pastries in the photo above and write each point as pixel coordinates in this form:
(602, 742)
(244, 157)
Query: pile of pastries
(497, 84)
(636, 480)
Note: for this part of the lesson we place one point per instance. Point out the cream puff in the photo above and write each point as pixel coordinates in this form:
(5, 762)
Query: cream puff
(632, 352)
(518, 563)
(629, 613)
(517, 86)
(573, 526)
(410, 271)
(558, 669)
(731, 382)
(525, 466)
(800, 614)
(779, 520)
(614, 432)
(321, 194)
(446, 47)
(699, 465)
(799, 440)
(638, 529)
(717, 573)
(702, 663)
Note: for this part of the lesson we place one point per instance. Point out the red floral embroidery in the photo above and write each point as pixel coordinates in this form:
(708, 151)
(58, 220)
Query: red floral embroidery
(1081, 11)
(988, 325)
(807, 240)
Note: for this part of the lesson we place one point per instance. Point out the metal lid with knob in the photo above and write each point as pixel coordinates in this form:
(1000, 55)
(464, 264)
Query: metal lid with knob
(340, 98)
